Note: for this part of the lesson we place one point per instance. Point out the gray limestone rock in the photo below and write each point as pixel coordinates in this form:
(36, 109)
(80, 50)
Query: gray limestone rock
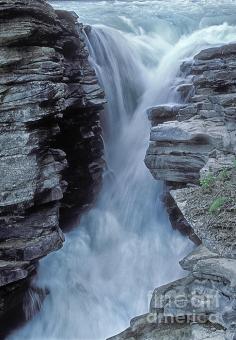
(184, 137)
(49, 95)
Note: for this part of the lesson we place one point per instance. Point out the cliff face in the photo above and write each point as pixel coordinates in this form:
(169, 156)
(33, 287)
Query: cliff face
(191, 142)
(188, 134)
(50, 136)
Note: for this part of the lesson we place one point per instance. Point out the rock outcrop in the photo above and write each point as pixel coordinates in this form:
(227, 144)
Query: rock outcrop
(50, 136)
(211, 208)
(188, 134)
(199, 306)
(192, 148)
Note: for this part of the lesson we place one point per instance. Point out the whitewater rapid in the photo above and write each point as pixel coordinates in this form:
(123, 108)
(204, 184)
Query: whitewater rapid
(124, 247)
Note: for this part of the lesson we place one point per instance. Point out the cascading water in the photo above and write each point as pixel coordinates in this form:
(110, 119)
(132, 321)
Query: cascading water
(124, 246)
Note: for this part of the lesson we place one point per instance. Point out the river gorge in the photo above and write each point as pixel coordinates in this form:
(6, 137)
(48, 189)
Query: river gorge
(123, 245)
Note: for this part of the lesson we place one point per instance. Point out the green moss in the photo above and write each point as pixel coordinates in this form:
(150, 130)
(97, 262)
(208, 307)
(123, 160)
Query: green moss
(217, 205)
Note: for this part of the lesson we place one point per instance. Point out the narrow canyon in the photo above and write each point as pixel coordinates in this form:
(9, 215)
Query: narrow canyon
(118, 170)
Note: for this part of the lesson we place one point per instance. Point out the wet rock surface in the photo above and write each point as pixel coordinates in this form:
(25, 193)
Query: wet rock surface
(199, 306)
(50, 135)
(192, 148)
(185, 136)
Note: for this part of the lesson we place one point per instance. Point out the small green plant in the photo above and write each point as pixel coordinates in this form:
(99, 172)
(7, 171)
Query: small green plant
(224, 175)
(208, 181)
(217, 205)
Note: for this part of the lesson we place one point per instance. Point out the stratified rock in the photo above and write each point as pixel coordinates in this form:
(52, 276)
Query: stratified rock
(205, 123)
(176, 217)
(198, 254)
(50, 136)
(200, 306)
(221, 52)
(178, 150)
(155, 331)
(163, 113)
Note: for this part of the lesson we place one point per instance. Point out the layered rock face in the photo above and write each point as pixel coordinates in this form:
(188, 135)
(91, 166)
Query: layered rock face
(50, 136)
(199, 306)
(183, 137)
(193, 143)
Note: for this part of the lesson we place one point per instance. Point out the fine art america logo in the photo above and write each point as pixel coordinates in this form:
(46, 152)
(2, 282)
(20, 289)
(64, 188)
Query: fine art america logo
(185, 307)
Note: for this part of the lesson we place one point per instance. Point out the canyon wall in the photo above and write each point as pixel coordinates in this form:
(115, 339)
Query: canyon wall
(51, 147)
(192, 148)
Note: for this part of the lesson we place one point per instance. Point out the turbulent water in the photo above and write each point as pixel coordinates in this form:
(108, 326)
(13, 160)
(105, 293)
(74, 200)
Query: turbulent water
(125, 247)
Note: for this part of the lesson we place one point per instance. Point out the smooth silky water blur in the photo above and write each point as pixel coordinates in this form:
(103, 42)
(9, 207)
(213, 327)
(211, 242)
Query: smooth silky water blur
(124, 246)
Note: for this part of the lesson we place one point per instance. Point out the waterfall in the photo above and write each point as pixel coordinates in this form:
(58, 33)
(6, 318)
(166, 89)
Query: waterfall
(124, 246)
(121, 74)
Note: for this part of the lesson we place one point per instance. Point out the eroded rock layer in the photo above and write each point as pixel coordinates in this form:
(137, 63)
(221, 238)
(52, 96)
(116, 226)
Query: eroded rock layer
(50, 136)
(193, 143)
(199, 306)
(183, 137)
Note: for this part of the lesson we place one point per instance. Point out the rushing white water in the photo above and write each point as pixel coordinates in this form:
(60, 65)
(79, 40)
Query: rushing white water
(125, 247)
